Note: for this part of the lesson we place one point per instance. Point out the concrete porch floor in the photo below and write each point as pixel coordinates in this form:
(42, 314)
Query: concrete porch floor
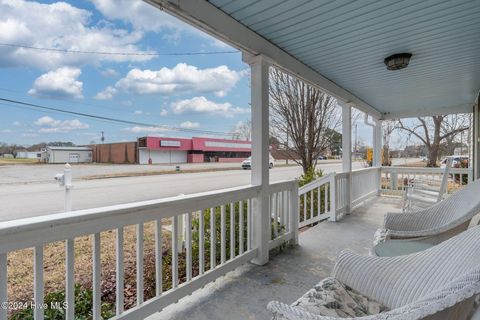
(245, 292)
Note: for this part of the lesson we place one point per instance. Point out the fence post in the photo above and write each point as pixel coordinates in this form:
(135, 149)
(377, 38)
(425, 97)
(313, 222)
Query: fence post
(333, 197)
(181, 231)
(294, 213)
(67, 180)
(394, 180)
(379, 181)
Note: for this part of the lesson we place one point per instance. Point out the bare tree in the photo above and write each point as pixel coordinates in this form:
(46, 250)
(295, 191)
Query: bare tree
(432, 131)
(302, 115)
(243, 130)
(388, 126)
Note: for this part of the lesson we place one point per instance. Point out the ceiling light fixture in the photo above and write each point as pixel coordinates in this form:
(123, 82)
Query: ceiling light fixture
(397, 61)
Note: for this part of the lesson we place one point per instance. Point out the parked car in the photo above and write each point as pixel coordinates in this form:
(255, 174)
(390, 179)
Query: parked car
(322, 158)
(247, 163)
(456, 161)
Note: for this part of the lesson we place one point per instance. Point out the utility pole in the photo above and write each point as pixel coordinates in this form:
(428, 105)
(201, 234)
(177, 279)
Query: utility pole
(103, 137)
(355, 151)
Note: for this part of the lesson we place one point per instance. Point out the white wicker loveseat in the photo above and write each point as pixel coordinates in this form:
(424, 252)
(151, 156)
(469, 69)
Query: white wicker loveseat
(439, 283)
(435, 224)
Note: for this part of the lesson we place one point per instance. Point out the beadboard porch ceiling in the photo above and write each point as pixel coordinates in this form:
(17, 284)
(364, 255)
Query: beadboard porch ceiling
(346, 41)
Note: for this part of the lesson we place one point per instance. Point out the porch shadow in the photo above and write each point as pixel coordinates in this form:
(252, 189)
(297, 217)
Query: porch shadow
(245, 292)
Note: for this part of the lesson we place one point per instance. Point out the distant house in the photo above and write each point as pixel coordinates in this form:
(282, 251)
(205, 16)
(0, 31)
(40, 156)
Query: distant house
(67, 154)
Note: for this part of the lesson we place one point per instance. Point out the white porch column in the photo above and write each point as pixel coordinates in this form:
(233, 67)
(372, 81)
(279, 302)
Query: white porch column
(476, 141)
(260, 155)
(347, 148)
(377, 144)
(377, 152)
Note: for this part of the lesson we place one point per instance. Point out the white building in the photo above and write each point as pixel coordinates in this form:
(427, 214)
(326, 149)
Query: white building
(29, 155)
(67, 154)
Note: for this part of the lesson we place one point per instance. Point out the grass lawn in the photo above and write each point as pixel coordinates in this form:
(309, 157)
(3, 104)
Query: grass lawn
(5, 161)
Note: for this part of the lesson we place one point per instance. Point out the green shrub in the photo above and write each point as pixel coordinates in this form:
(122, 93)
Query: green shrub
(309, 176)
(83, 306)
(306, 178)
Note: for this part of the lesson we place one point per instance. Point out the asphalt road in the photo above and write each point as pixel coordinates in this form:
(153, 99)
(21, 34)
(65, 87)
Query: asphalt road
(41, 195)
(23, 200)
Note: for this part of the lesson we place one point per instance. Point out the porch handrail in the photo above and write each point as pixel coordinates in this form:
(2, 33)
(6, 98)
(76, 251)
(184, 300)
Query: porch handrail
(232, 204)
(426, 170)
(314, 184)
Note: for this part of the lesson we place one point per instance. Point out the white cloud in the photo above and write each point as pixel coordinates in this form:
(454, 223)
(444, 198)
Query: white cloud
(164, 112)
(139, 14)
(182, 78)
(62, 26)
(51, 125)
(138, 112)
(16, 123)
(106, 94)
(46, 121)
(203, 105)
(189, 125)
(7, 131)
(144, 129)
(29, 135)
(110, 73)
(61, 83)
(144, 17)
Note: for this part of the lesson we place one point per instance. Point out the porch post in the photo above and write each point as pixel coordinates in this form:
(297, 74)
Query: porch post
(377, 143)
(260, 155)
(476, 141)
(377, 152)
(347, 149)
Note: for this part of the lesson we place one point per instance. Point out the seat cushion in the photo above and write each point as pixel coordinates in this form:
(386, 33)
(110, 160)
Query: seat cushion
(332, 298)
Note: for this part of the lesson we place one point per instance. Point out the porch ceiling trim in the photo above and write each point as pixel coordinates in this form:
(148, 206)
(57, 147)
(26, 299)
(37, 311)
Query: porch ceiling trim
(205, 16)
(422, 111)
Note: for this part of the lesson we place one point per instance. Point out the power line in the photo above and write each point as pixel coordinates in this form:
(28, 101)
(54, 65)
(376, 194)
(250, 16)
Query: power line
(102, 118)
(154, 54)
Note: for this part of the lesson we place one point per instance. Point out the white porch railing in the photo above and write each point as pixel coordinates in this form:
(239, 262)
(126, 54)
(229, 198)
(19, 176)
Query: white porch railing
(394, 179)
(317, 200)
(210, 217)
(227, 250)
(364, 184)
(332, 195)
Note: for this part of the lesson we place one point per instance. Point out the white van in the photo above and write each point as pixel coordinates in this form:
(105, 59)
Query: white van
(247, 163)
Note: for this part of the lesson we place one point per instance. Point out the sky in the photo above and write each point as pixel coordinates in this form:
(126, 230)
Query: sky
(146, 84)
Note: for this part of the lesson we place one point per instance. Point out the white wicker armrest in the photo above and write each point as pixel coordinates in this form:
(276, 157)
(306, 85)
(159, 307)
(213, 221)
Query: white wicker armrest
(409, 225)
(375, 277)
(403, 221)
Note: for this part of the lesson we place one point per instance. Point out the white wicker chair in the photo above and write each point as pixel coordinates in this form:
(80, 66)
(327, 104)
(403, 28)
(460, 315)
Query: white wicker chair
(439, 283)
(423, 193)
(437, 223)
